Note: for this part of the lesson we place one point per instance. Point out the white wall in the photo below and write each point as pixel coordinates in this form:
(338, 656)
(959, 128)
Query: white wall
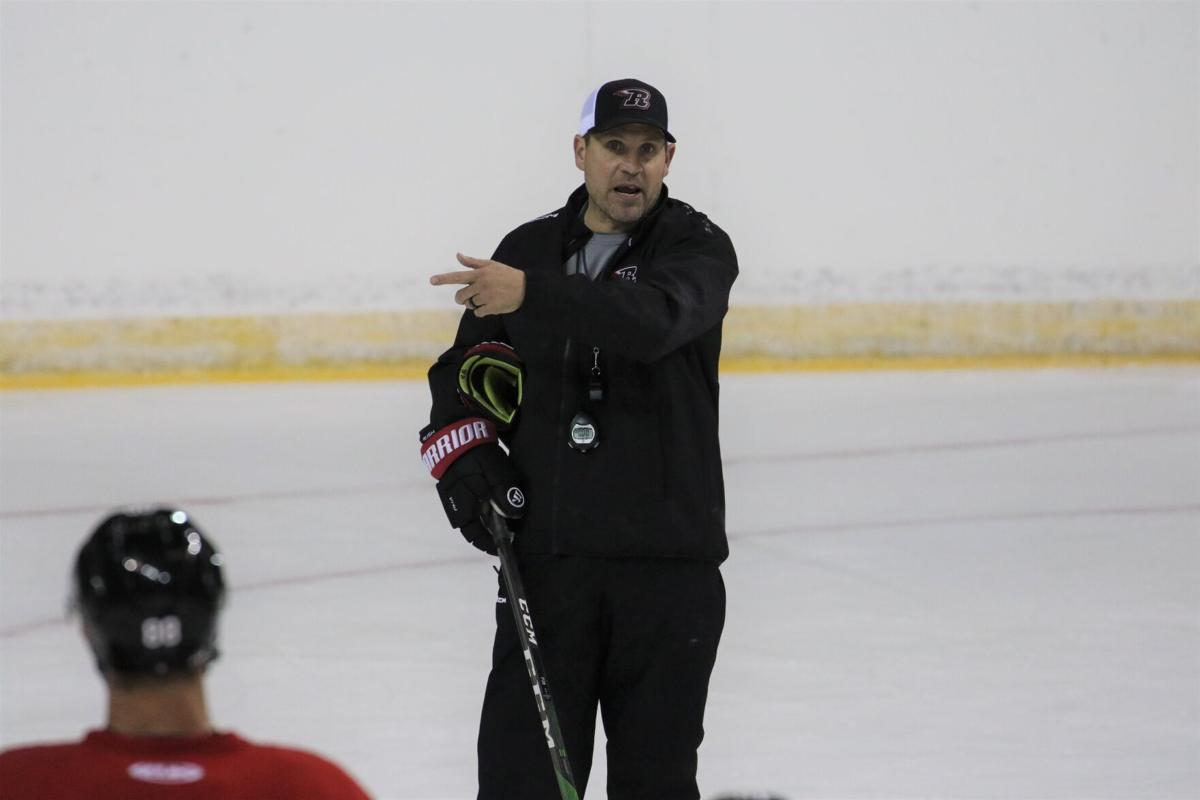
(208, 157)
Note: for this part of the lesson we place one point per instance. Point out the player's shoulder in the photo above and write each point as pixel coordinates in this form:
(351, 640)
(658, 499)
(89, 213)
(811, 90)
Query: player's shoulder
(293, 757)
(283, 752)
(320, 775)
(35, 753)
(38, 770)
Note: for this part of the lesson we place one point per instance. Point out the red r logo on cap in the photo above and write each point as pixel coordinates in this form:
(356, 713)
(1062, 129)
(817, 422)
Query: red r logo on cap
(636, 98)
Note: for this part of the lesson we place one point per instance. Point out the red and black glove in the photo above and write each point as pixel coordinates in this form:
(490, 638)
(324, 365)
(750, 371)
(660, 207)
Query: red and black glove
(491, 381)
(472, 470)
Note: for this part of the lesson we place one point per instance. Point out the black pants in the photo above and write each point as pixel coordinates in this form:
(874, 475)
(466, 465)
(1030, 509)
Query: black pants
(638, 637)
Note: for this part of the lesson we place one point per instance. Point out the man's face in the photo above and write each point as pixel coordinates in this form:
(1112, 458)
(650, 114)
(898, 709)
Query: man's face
(623, 168)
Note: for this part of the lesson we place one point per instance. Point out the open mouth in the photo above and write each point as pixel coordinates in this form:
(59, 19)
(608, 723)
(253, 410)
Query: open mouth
(627, 189)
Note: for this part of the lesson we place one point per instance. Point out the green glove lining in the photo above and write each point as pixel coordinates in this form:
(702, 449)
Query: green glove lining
(496, 386)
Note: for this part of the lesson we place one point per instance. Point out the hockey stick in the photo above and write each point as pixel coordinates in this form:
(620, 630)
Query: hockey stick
(533, 658)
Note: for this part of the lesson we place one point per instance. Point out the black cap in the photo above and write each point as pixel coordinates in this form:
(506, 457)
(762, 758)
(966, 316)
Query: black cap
(623, 102)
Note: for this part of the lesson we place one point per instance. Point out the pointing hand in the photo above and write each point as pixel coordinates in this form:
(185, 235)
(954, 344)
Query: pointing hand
(489, 287)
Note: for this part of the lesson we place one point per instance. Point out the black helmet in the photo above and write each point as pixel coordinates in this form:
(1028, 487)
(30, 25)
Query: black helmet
(148, 585)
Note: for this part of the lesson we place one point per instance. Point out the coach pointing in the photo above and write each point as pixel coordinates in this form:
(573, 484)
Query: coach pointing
(589, 347)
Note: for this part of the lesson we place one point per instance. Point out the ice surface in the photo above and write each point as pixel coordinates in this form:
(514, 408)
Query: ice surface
(956, 585)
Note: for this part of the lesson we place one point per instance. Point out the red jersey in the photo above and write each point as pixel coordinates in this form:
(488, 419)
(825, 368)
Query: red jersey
(109, 766)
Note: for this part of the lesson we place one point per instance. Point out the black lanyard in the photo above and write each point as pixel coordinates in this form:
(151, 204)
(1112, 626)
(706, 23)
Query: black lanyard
(595, 378)
(585, 434)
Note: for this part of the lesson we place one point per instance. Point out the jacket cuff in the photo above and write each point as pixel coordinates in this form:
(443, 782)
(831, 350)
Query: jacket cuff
(539, 302)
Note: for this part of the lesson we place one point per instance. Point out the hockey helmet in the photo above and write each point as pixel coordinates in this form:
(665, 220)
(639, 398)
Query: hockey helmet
(148, 585)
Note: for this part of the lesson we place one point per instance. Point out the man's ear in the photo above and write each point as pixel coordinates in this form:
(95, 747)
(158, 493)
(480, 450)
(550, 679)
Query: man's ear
(670, 155)
(580, 146)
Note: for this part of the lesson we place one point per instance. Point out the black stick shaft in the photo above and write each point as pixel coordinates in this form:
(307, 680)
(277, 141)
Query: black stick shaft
(533, 656)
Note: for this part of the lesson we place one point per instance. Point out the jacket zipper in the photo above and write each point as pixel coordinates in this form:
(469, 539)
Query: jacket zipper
(564, 387)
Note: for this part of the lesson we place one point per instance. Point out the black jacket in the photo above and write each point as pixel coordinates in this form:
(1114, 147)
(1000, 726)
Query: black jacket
(653, 487)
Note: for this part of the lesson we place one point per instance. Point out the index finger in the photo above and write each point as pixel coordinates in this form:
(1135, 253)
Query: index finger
(471, 261)
(454, 277)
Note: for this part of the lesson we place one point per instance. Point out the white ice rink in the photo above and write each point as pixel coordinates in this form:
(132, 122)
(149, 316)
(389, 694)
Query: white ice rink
(942, 584)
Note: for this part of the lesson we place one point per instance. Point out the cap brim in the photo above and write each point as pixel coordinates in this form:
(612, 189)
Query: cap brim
(632, 120)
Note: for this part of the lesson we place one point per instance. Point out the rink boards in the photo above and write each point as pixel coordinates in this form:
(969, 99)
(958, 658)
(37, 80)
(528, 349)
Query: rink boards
(363, 345)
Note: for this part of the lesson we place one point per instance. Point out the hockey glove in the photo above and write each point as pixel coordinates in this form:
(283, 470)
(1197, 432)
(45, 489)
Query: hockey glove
(491, 380)
(471, 471)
